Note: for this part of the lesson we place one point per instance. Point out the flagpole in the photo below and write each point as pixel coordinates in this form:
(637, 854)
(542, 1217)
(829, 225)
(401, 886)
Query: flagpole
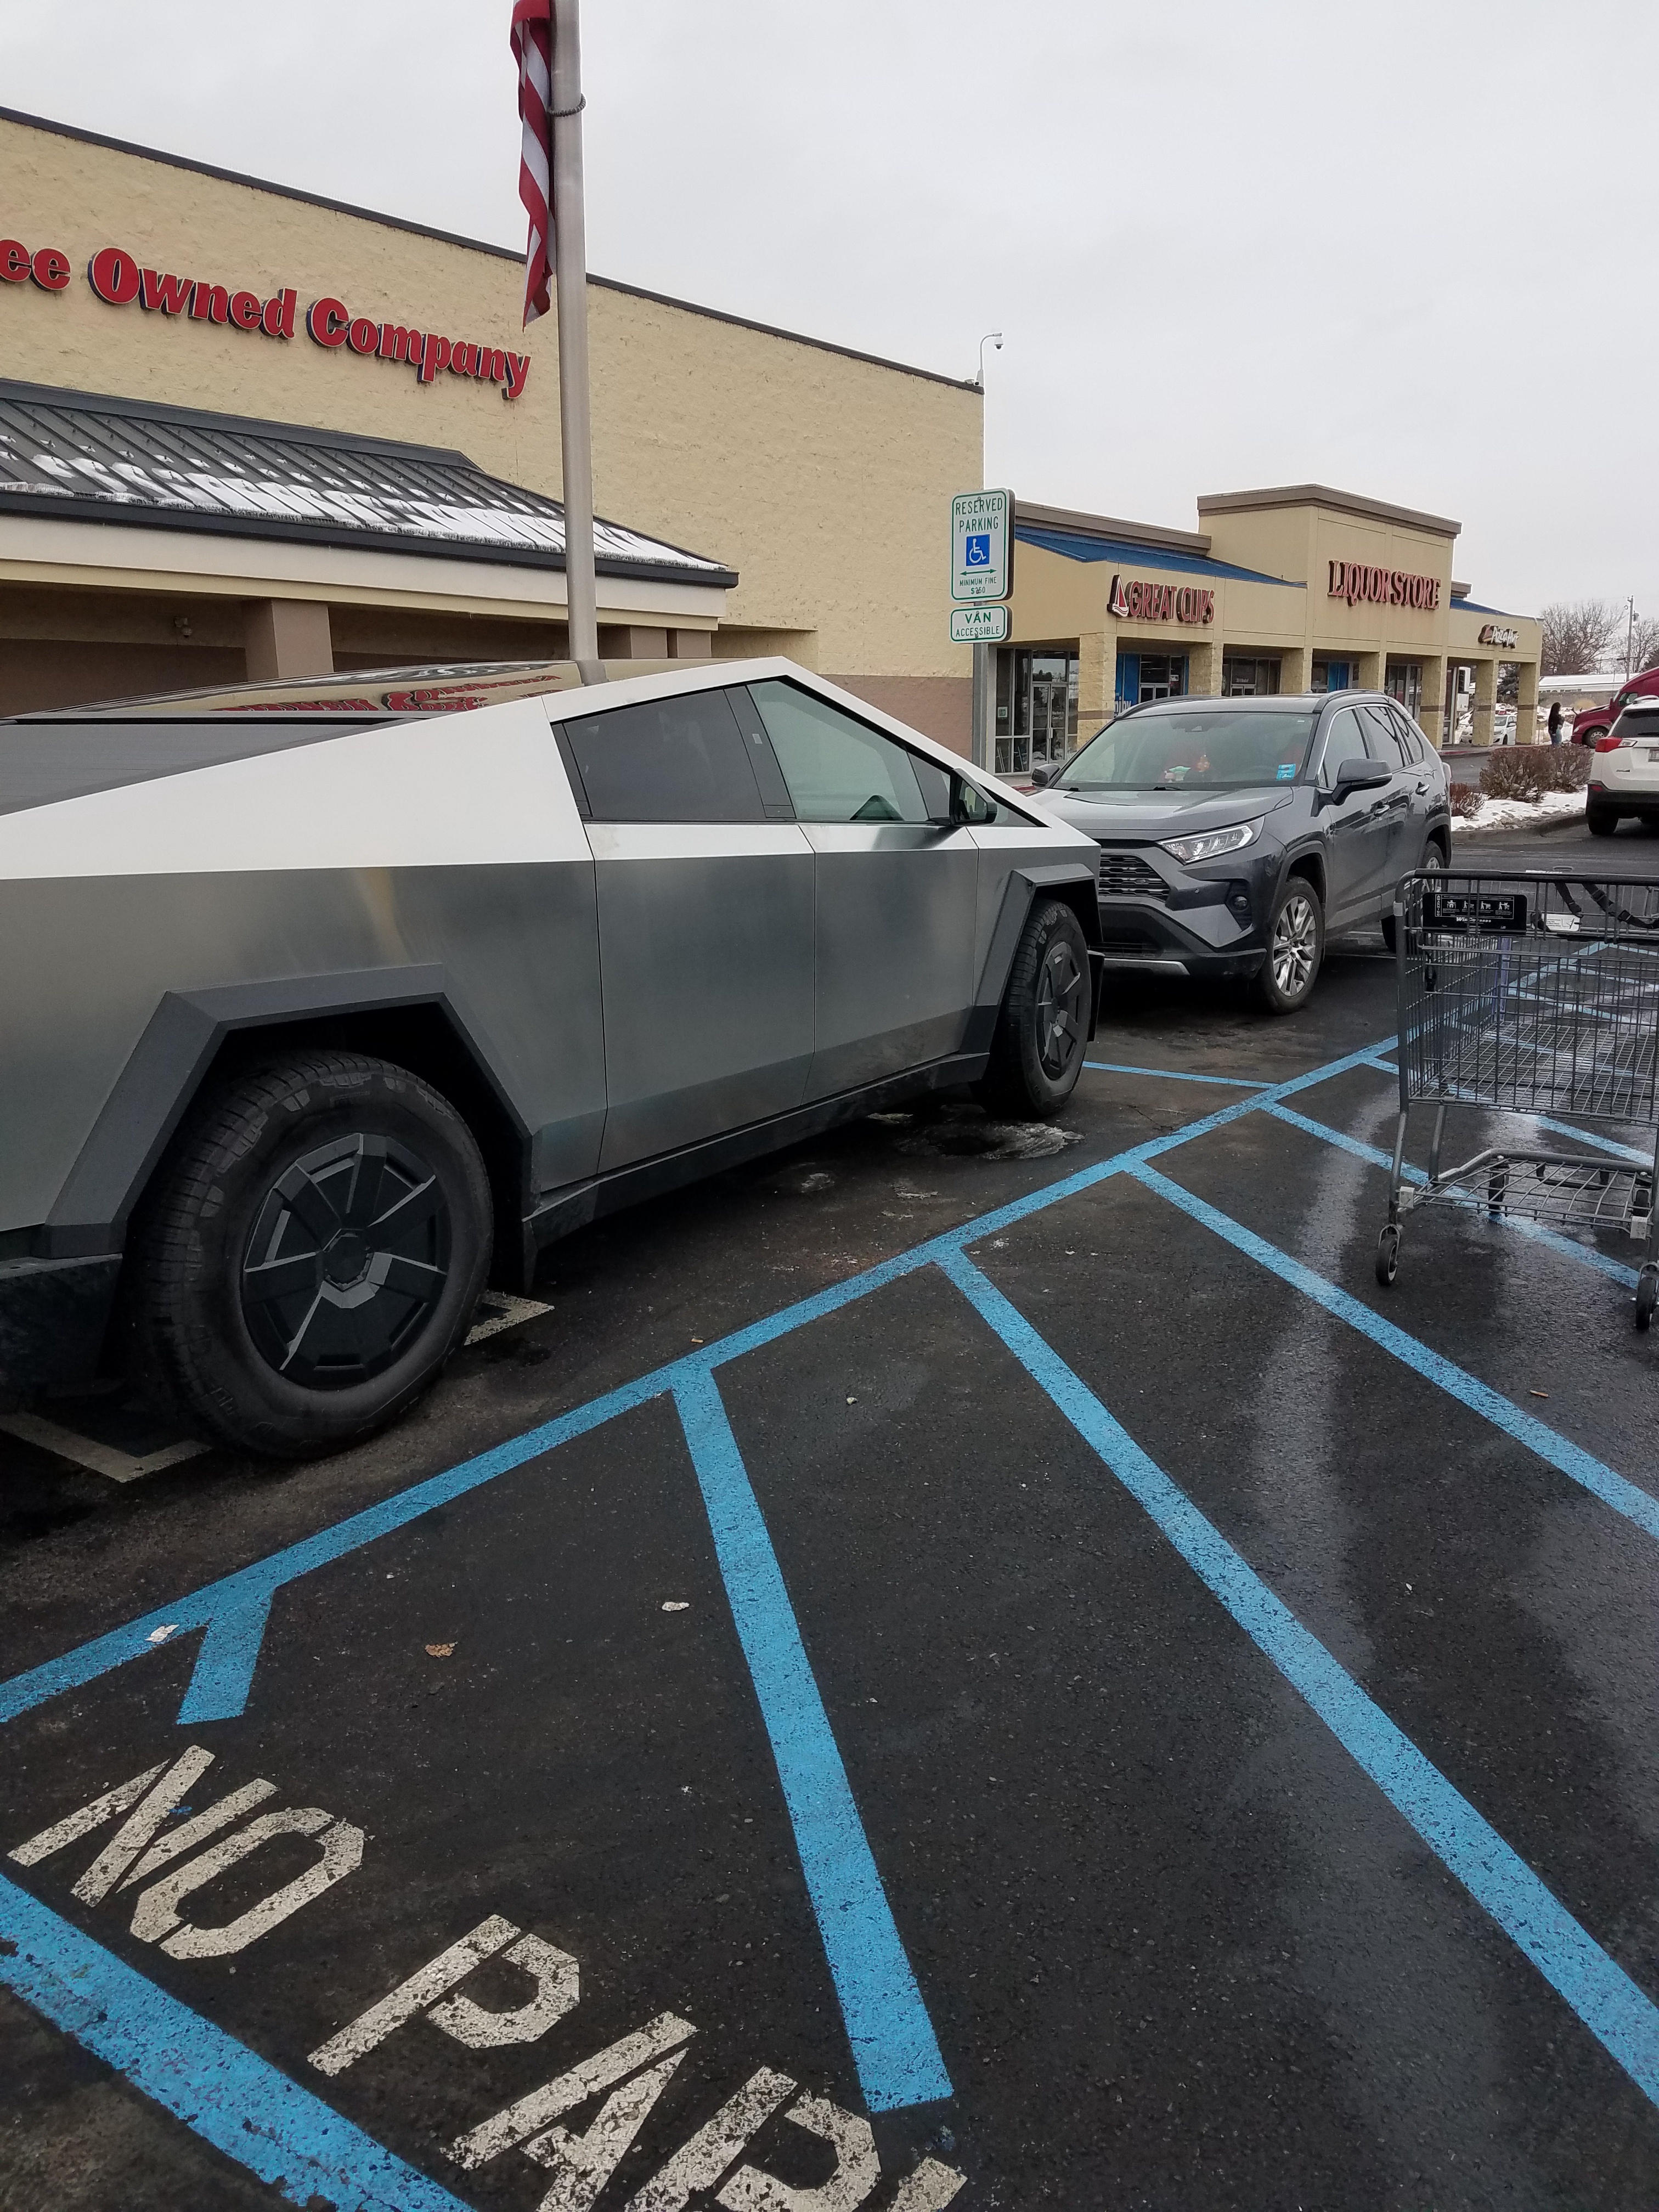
(570, 284)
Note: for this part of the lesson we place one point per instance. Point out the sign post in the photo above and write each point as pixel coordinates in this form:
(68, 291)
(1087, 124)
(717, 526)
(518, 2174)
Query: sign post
(982, 583)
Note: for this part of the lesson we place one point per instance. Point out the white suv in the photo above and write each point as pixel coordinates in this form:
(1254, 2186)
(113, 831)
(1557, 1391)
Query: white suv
(1624, 776)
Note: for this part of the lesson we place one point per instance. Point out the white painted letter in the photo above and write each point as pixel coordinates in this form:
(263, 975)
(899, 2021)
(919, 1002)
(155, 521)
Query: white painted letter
(89, 1817)
(155, 1916)
(700, 2163)
(929, 2189)
(413, 1995)
(505, 2129)
(583, 2163)
(857, 2168)
(558, 1985)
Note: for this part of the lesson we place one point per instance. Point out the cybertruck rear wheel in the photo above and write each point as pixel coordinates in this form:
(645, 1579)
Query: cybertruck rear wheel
(1043, 1030)
(311, 1254)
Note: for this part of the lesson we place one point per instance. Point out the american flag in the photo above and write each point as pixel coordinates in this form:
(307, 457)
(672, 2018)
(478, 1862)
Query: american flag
(533, 49)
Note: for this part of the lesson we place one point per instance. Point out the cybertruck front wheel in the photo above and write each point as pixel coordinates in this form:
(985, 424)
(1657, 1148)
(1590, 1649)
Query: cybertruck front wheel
(1043, 1030)
(311, 1253)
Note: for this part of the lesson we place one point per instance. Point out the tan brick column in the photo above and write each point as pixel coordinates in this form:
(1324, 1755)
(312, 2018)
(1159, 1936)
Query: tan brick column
(1432, 713)
(1203, 669)
(1526, 732)
(1097, 675)
(1486, 686)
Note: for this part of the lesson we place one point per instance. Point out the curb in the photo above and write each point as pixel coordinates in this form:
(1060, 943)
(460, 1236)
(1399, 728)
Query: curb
(1544, 829)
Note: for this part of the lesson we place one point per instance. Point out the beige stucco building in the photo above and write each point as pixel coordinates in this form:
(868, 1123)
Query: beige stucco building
(813, 481)
(1296, 588)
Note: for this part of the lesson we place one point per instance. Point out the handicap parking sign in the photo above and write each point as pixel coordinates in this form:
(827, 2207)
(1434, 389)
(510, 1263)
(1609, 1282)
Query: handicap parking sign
(982, 545)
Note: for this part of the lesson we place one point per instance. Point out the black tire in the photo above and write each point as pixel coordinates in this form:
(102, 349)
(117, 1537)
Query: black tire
(1296, 948)
(1387, 1255)
(1647, 1296)
(1600, 821)
(1042, 1029)
(310, 1253)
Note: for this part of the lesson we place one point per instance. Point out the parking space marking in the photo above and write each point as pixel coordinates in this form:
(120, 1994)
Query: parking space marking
(1176, 1075)
(1541, 1122)
(225, 2092)
(1547, 1443)
(1468, 1202)
(1622, 2017)
(894, 2046)
(108, 1460)
(495, 1311)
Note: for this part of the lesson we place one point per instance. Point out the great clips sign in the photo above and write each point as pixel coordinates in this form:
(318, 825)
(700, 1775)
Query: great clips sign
(120, 280)
(1132, 601)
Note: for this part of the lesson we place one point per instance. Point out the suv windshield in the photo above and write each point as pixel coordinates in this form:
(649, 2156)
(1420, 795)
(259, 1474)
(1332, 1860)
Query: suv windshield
(1216, 748)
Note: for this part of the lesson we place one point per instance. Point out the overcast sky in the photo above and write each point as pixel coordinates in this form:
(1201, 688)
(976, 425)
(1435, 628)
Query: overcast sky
(1404, 249)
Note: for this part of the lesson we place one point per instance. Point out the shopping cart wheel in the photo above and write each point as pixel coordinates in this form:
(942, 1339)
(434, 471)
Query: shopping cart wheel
(1497, 1186)
(1647, 1295)
(1388, 1257)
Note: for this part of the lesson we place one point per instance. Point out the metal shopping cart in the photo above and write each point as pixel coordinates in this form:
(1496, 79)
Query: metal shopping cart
(1534, 995)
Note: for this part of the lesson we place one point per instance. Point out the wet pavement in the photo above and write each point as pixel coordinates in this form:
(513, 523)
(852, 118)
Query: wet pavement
(959, 1665)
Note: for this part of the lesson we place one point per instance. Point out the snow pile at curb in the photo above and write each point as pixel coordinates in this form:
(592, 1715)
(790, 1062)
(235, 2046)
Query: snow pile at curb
(1522, 813)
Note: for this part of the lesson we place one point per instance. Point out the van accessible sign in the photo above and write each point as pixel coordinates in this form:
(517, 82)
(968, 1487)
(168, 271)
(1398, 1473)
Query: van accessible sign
(120, 280)
(982, 545)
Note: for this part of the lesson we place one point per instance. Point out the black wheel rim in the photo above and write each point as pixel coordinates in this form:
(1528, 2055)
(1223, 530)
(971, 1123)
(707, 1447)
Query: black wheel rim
(1062, 1009)
(347, 1259)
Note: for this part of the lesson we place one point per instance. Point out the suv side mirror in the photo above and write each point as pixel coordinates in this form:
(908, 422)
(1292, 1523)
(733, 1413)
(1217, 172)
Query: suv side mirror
(1041, 776)
(1358, 774)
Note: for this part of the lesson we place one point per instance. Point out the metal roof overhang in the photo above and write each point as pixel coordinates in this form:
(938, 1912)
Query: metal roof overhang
(70, 457)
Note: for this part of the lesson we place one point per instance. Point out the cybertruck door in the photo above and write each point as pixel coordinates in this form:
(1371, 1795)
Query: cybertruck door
(896, 891)
(705, 890)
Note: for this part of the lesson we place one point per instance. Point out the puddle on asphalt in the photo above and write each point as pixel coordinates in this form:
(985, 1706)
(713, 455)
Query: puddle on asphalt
(965, 1132)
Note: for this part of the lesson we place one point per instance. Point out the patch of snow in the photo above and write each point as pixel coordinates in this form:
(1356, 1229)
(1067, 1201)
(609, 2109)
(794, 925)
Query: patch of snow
(1517, 813)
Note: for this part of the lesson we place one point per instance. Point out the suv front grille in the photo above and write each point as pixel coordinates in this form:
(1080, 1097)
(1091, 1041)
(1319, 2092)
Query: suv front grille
(1125, 875)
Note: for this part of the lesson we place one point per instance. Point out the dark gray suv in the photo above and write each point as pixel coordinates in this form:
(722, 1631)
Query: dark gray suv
(1235, 833)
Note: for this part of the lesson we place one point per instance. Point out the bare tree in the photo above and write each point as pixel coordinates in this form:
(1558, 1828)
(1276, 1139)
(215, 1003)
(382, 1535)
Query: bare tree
(1645, 645)
(1582, 636)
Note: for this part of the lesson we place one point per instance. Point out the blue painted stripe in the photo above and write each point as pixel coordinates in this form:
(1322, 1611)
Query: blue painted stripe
(1585, 1254)
(1176, 1075)
(230, 2095)
(1616, 2011)
(894, 2046)
(229, 1657)
(1543, 1122)
(1555, 1450)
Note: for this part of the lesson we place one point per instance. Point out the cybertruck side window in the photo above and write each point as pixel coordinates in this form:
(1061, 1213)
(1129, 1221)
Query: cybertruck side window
(682, 759)
(838, 769)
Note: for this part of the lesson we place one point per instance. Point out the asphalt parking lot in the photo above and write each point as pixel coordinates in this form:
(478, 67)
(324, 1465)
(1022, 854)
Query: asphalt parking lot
(958, 1665)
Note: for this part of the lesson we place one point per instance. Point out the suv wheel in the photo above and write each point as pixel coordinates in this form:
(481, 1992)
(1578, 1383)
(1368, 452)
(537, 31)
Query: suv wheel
(311, 1253)
(1600, 821)
(1296, 946)
(1043, 1031)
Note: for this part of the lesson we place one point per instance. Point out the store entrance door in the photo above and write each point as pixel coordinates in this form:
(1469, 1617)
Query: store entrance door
(1037, 709)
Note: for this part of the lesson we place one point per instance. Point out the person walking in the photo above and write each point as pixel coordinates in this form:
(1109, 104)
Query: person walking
(1555, 721)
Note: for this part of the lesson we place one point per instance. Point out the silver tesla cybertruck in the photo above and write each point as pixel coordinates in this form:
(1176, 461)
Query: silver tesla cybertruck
(324, 1005)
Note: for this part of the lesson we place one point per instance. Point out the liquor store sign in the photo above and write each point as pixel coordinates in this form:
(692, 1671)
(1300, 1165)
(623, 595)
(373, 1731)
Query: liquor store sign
(120, 280)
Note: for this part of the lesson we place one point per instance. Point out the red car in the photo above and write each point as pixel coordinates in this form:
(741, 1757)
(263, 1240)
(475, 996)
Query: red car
(1591, 724)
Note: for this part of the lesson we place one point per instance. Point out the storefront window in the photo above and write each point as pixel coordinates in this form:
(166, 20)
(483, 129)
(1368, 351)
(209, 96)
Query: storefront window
(1036, 708)
(1403, 680)
(1242, 678)
(1332, 676)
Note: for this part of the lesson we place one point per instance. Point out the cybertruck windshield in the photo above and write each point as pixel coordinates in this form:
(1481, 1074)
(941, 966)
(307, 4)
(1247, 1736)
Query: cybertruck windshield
(1212, 748)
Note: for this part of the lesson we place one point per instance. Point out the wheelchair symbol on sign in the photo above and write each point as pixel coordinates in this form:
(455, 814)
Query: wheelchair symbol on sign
(978, 552)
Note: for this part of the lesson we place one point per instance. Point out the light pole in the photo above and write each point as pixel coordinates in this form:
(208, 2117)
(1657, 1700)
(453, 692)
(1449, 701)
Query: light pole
(1630, 638)
(991, 337)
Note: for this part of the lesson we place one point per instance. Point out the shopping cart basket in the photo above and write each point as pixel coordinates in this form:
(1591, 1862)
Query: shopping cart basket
(1534, 995)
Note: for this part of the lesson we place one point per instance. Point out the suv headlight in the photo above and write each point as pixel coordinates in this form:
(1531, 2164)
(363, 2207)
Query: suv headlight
(1211, 844)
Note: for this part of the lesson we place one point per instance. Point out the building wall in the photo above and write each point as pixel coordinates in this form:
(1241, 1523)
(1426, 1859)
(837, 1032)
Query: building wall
(824, 479)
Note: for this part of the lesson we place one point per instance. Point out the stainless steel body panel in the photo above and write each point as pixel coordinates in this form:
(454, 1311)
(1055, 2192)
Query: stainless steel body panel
(88, 961)
(894, 940)
(706, 953)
